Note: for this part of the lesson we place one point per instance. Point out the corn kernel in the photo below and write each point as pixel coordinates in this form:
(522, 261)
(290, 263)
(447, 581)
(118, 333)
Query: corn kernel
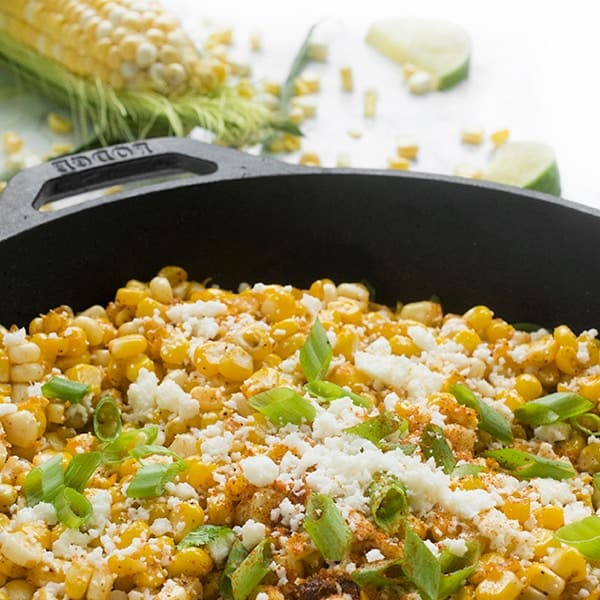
(255, 41)
(589, 388)
(468, 171)
(499, 137)
(236, 364)
(77, 580)
(12, 142)
(310, 159)
(528, 386)
(550, 517)
(134, 365)
(127, 346)
(398, 163)
(568, 563)
(497, 330)
(519, 510)
(346, 78)
(208, 357)
(420, 82)
(370, 103)
(566, 360)
(506, 587)
(472, 135)
(468, 339)
(408, 69)
(191, 562)
(407, 148)
(546, 580)
(318, 51)
(343, 160)
(59, 124)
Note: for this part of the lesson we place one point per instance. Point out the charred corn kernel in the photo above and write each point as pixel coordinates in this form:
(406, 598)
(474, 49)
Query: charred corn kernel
(506, 587)
(528, 386)
(566, 360)
(346, 78)
(23, 428)
(130, 296)
(468, 339)
(148, 306)
(568, 563)
(468, 171)
(397, 163)
(472, 135)
(191, 562)
(565, 337)
(407, 148)
(198, 474)
(497, 330)
(12, 142)
(550, 517)
(370, 103)
(161, 290)
(420, 82)
(310, 159)
(546, 580)
(77, 580)
(134, 365)
(236, 364)
(127, 346)
(428, 313)
(59, 124)
(499, 137)
(343, 160)
(208, 357)
(519, 510)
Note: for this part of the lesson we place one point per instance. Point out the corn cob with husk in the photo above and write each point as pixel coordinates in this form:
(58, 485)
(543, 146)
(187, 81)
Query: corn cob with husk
(126, 69)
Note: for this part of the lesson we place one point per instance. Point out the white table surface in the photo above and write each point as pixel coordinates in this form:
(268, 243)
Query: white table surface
(533, 69)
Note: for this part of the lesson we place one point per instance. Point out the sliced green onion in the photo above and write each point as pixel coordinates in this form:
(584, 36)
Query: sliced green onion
(527, 327)
(151, 479)
(43, 482)
(450, 583)
(524, 465)
(434, 445)
(596, 482)
(378, 429)
(588, 423)
(65, 389)
(490, 420)
(107, 419)
(467, 470)
(236, 556)
(420, 565)
(388, 502)
(204, 535)
(72, 507)
(327, 528)
(553, 408)
(251, 571)
(330, 391)
(140, 452)
(282, 406)
(583, 535)
(455, 569)
(81, 468)
(408, 449)
(316, 353)
(382, 574)
(118, 450)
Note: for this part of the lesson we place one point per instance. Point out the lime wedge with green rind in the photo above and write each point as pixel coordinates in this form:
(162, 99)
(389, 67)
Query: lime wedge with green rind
(529, 165)
(440, 48)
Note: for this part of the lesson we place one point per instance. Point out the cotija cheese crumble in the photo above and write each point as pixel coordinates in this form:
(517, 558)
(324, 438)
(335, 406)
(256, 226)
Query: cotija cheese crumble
(186, 443)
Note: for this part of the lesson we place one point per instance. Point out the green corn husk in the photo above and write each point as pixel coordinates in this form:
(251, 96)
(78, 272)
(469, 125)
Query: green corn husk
(107, 115)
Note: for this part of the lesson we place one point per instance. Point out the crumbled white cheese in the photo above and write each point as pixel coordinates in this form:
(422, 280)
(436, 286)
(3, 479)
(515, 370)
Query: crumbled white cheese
(339, 415)
(201, 308)
(259, 470)
(312, 304)
(374, 555)
(422, 337)
(7, 409)
(141, 395)
(291, 515)
(70, 543)
(457, 546)
(556, 432)
(253, 533)
(43, 511)
(101, 501)
(160, 526)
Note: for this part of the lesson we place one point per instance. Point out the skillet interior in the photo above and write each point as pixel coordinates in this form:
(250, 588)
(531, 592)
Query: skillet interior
(409, 237)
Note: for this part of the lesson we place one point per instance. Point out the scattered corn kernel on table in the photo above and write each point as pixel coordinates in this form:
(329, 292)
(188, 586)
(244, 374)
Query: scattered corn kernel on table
(520, 79)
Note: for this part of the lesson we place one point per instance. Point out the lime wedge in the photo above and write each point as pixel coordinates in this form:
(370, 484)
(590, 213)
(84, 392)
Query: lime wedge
(528, 165)
(440, 48)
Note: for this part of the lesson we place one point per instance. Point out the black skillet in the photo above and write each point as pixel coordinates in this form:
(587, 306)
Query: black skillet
(529, 256)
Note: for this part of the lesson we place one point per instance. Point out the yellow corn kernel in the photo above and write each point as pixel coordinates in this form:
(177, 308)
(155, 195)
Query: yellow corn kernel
(284, 328)
(519, 510)
(307, 84)
(236, 364)
(279, 305)
(23, 428)
(566, 359)
(511, 398)
(407, 148)
(589, 388)
(134, 365)
(398, 163)
(531, 593)
(20, 589)
(370, 103)
(310, 159)
(4, 366)
(468, 339)
(428, 313)
(12, 142)
(124, 566)
(528, 386)
(499, 137)
(346, 78)
(506, 587)
(497, 330)
(479, 317)
(403, 345)
(148, 306)
(130, 296)
(354, 133)
(408, 70)
(568, 563)
(589, 458)
(87, 374)
(255, 41)
(472, 135)
(77, 580)
(127, 346)
(137, 529)
(59, 124)
(198, 474)
(287, 346)
(191, 562)
(550, 517)
(565, 337)
(92, 328)
(346, 310)
(546, 580)
(186, 517)
(346, 342)
(256, 341)
(174, 349)
(208, 357)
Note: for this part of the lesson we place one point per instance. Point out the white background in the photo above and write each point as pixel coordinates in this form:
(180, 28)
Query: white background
(534, 69)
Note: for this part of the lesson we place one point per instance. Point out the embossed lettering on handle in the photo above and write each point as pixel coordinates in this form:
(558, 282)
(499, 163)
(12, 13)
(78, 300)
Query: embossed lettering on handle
(79, 162)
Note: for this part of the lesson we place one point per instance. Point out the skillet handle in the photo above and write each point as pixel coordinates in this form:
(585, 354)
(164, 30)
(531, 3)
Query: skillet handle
(62, 177)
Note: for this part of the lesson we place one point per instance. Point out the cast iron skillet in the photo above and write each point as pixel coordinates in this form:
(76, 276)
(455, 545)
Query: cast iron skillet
(239, 218)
